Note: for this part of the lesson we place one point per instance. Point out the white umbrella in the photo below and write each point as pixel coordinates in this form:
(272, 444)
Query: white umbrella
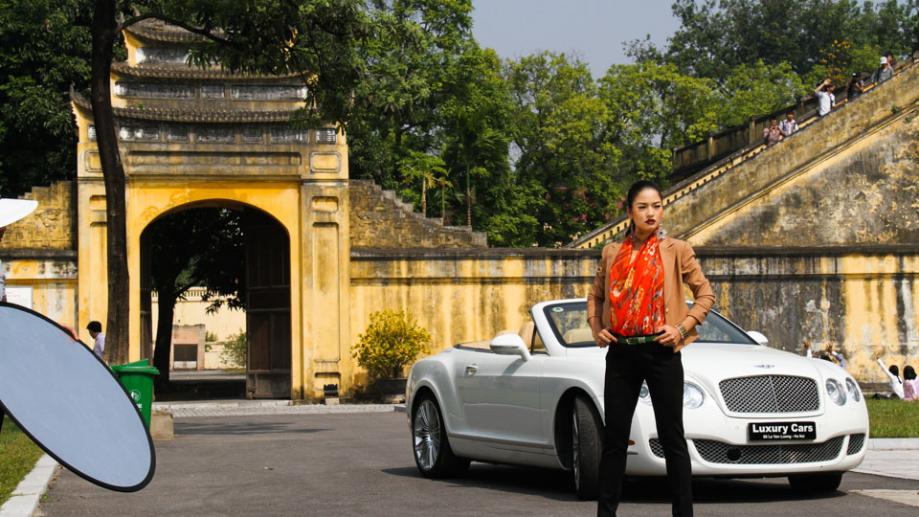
(12, 210)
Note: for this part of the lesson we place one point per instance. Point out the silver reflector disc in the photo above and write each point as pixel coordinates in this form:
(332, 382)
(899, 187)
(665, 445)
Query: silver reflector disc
(70, 403)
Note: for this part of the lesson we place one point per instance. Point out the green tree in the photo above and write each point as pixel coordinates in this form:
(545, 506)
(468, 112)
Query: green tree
(715, 36)
(46, 48)
(566, 167)
(403, 82)
(757, 89)
(653, 108)
(475, 136)
(235, 350)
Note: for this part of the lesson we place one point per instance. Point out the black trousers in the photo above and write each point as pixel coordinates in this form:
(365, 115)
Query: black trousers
(626, 367)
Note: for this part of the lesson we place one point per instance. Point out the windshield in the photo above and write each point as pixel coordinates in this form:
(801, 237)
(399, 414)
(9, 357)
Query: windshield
(569, 323)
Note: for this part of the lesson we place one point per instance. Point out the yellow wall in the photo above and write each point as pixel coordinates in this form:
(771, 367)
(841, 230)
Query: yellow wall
(462, 295)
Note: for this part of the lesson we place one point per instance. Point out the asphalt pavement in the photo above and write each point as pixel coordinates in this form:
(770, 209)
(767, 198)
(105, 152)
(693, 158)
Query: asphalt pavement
(361, 464)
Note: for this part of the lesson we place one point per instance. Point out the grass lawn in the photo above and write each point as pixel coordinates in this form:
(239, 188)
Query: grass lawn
(17, 457)
(893, 418)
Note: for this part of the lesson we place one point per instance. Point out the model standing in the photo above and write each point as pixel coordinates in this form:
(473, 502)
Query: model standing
(636, 307)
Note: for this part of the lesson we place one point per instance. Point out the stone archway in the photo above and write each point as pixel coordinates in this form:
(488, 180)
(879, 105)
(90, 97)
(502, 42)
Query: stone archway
(264, 290)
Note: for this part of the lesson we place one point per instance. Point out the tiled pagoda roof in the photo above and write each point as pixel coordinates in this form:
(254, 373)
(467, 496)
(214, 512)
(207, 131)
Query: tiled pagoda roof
(161, 71)
(192, 115)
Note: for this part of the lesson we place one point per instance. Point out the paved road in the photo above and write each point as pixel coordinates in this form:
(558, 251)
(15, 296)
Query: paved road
(361, 464)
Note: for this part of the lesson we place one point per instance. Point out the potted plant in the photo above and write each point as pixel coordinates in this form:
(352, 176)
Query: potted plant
(390, 342)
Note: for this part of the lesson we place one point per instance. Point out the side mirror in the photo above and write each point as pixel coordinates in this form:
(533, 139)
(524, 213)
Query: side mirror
(509, 344)
(758, 337)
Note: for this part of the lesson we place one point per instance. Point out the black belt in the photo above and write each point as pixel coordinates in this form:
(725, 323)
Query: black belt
(637, 340)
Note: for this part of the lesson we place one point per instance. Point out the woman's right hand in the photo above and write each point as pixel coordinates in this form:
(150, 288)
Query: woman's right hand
(604, 338)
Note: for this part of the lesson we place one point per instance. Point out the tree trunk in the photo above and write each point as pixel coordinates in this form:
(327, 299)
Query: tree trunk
(424, 196)
(163, 345)
(468, 200)
(103, 40)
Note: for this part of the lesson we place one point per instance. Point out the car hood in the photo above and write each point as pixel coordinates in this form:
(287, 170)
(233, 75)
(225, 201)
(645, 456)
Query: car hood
(717, 361)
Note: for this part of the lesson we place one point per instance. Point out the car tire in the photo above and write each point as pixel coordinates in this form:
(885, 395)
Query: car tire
(815, 483)
(586, 446)
(430, 445)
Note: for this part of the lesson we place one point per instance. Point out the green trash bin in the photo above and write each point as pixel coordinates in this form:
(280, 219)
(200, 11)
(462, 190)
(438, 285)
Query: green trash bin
(137, 379)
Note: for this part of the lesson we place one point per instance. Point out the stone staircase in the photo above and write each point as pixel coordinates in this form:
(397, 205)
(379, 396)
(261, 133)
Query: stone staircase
(696, 204)
(380, 219)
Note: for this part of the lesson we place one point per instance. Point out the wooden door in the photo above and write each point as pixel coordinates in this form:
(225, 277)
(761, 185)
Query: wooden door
(267, 307)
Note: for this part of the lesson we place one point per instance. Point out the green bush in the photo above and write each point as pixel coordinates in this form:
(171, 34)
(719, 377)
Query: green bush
(390, 342)
(235, 349)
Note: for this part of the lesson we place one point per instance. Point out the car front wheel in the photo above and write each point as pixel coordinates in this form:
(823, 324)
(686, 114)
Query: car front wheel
(433, 455)
(585, 448)
(814, 483)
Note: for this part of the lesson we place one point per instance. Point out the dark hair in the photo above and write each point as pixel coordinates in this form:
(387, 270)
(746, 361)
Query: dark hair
(636, 189)
(894, 370)
(908, 373)
(94, 326)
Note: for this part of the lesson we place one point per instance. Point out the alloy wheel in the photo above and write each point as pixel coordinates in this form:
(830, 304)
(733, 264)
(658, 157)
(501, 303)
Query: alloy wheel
(427, 434)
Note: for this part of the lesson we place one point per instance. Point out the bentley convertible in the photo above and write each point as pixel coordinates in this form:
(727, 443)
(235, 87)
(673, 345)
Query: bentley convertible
(536, 398)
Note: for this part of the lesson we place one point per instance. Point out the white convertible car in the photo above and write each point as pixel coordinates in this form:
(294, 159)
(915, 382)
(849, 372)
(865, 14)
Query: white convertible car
(536, 398)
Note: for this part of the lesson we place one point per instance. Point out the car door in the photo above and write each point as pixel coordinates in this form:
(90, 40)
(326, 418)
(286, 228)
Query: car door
(501, 397)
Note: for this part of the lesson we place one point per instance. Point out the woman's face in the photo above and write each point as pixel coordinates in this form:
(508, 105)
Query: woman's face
(647, 211)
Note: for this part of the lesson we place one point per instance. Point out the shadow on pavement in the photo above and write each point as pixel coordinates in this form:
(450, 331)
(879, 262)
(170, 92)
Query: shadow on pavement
(186, 428)
(721, 491)
(551, 484)
(557, 485)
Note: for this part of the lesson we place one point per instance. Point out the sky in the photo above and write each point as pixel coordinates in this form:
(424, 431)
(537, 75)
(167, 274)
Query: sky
(594, 30)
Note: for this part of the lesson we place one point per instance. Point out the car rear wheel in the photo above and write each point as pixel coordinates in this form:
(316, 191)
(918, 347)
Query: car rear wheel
(585, 448)
(433, 455)
(814, 483)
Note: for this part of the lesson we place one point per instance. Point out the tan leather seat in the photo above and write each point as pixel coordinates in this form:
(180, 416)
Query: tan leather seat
(526, 333)
(578, 335)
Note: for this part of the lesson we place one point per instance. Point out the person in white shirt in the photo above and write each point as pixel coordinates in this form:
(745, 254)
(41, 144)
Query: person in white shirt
(789, 125)
(893, 377)
(825, 98)
(95, 330)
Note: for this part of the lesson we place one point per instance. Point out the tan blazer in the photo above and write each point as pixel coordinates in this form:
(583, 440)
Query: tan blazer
(680, 266)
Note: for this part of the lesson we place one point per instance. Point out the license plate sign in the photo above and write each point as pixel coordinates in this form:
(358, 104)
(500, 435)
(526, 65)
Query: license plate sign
(778, 431)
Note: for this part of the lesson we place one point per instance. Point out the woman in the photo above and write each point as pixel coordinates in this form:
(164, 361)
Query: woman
(893, 377)
(910, 384)
(772, 134)
(636, 308)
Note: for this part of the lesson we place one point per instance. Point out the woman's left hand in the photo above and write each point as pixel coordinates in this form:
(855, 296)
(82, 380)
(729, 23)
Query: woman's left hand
(670, 337)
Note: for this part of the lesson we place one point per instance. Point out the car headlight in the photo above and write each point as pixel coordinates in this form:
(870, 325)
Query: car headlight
(835, 391)
(644, 394)
(693, 396)
(852, 390)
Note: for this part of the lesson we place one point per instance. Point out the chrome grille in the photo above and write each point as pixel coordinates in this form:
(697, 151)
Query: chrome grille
(657, 447)
(770, 394)
(719, 452)
(856, 442)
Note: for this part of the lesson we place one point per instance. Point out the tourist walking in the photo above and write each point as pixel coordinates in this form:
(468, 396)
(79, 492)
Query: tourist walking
(637, 310)
(772, 134)
(95, 331)
(884, 72)
(789, 125)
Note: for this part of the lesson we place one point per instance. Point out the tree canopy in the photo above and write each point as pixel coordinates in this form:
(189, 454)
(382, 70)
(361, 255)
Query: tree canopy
(531, 150)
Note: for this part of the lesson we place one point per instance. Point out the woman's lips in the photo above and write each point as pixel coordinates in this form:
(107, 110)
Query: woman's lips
(650, 221)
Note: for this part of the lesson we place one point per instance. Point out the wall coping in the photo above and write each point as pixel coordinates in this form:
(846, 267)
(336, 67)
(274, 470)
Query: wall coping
(371, 254)
(38, 254)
